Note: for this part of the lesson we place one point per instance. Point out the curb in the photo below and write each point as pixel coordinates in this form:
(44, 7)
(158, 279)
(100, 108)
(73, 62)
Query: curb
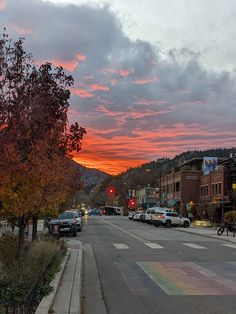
(75, 306)
(46, 302)
(207, 236)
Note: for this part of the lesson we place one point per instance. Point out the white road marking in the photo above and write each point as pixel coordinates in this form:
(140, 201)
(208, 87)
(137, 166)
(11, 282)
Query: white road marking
(230, 245)
(120, 246)
(194, 246)
(154, 245)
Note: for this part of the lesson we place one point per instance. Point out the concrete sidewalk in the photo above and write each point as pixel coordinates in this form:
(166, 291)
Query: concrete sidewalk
(67, 298)
(66, 295)
(209, 232)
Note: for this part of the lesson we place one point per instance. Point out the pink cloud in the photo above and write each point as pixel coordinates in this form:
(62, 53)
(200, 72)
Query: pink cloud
(20, 30)
(124, 73)
(82, 93)
(69, 65)
(81, 57)
(122, 116)
(114, 82)
(149, 102)
(2, 4)
(121, 72)
(88, 78)
(145, 81)
(95, 87)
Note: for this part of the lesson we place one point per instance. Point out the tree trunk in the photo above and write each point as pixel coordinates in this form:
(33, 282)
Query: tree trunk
(22, 222)
(34, 230)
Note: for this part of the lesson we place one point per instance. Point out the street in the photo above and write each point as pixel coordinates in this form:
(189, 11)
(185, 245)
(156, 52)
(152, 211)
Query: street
(144, 269)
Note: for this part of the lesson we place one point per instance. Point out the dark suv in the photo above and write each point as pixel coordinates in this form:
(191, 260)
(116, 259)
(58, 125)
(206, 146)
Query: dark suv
(65, 224)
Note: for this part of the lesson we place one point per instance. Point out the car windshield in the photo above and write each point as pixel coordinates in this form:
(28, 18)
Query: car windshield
(65, 215)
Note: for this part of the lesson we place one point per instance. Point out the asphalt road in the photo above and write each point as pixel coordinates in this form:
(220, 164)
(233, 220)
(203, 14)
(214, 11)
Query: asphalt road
(144, 269)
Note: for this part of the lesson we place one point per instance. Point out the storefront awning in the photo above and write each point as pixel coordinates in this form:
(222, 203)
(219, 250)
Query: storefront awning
(172, 202)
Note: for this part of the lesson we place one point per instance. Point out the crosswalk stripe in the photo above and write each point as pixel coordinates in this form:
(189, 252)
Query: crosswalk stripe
(194, 246)
(120, 246)
(154, 245)
(230, 245)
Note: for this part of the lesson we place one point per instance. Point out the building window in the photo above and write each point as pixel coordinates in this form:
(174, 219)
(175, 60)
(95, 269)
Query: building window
(220, 188)
(207, 190)
(216, 188)
(213, 189)
(177, 186)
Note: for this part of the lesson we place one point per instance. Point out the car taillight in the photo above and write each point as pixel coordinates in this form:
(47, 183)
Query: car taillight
(162, 217)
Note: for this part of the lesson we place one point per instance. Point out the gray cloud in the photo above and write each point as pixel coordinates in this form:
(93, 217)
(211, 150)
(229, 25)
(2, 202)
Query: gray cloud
(138, 89)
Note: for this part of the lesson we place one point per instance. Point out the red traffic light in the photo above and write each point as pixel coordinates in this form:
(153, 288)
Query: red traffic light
(132, 203)
(110, 190)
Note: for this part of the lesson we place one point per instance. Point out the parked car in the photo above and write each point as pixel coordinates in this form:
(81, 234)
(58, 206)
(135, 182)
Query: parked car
(79, 220)
(65, 224)
(168, 218)
(131, 215)
(150, 212)
(136, 216)
(112, 210)
(95, 212)
(142, 217)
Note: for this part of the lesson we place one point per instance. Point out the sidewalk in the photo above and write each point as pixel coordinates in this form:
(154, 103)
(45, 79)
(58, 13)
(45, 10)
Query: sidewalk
(65, 297)
(209, 232)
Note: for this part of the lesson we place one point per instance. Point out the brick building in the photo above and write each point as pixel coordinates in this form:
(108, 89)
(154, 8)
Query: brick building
(188, 189)
(180, 188)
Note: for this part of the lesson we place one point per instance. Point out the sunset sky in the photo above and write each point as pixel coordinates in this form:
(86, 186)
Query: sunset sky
(152, 78)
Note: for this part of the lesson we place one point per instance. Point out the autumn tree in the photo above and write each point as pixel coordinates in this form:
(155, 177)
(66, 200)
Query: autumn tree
(35, 140)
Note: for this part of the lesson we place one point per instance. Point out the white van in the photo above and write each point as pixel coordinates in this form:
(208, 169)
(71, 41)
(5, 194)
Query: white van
(151, 211)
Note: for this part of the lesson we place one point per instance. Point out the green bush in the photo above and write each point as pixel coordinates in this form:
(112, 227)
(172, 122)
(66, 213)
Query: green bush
(230, 216)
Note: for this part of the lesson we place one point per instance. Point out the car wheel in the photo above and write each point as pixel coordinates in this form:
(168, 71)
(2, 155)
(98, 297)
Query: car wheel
(186, 224)
(74, 233)
(168, 224)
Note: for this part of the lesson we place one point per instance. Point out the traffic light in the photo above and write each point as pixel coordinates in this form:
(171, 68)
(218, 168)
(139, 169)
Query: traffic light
(132, 203)
(111, 191)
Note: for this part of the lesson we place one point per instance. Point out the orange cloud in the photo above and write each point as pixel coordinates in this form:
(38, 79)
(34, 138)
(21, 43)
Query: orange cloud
(99, 87)
(82, 93)
(2, 4)
(112, 163)
(145, 146)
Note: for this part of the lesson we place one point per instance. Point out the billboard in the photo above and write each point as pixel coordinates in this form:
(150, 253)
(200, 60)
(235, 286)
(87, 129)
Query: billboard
(209, 164)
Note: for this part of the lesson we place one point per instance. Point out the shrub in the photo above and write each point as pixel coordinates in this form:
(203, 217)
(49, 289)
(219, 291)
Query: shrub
(8, 248)
(38, 264)
(230, 216)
